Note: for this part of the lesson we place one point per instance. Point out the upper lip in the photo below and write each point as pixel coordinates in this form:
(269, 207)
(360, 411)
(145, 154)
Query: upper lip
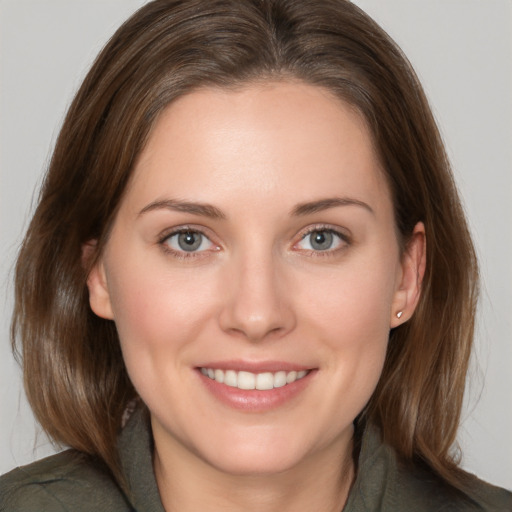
(255, 366)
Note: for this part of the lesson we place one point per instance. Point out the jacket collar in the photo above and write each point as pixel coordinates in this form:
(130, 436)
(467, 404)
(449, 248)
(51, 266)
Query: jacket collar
(372, 491)
(136, 454)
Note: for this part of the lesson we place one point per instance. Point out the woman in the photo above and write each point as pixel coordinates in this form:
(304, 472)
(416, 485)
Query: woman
(250, 254)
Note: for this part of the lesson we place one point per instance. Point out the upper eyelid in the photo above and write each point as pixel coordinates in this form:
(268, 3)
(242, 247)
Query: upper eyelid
(178, 233)
(168, 232)
(345, 240)
(342, 232)
(181, 254)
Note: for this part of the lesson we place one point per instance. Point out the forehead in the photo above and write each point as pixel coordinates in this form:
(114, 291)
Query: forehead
(266, 139)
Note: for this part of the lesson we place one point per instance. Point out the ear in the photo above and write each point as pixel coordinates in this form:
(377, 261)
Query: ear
(99, 296)
(408, 289)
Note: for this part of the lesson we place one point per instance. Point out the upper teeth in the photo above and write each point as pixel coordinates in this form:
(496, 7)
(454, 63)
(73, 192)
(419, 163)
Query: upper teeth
(248, 380)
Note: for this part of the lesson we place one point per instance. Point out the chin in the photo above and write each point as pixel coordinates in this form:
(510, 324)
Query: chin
(255, 452)
(257, 463)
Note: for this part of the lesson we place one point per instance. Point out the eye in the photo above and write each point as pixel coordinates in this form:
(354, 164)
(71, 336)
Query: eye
(188, 241)
(322, 240)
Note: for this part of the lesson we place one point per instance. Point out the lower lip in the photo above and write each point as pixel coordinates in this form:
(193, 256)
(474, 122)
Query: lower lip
(255, 400)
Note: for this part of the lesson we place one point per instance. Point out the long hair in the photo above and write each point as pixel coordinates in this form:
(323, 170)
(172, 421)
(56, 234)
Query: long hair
(75, 377)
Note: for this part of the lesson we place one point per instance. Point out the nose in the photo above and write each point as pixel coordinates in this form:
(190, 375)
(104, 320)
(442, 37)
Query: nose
(256, 304)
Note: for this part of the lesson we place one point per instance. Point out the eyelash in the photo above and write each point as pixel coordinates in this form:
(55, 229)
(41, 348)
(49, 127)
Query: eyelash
(183, 255)
(344, 239)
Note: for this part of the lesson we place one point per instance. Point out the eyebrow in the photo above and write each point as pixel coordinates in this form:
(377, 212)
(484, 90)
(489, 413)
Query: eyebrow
(210, 211)
(202, 209)
(331, 202)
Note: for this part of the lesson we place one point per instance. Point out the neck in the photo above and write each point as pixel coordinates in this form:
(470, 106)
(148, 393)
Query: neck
(320, 482)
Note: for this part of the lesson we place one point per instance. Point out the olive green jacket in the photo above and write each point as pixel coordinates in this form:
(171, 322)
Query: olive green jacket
(70, 481)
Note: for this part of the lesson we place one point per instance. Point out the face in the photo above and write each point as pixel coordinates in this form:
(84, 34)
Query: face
(253, 273)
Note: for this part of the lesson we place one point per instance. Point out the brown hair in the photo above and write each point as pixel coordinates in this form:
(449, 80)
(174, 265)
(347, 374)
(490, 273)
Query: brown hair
(75, 378)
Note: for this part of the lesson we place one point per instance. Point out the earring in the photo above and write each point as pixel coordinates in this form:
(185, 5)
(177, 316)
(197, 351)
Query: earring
(399, 314)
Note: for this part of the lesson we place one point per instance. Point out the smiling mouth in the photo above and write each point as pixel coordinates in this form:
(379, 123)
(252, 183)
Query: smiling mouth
(248, 380)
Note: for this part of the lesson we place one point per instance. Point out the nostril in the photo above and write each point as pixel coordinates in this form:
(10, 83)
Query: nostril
(253, 305)
(257, 328)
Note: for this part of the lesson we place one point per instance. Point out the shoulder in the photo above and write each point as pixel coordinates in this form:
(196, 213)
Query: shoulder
(386, 483)
(489, 497)
(68, 481)
(477, 496)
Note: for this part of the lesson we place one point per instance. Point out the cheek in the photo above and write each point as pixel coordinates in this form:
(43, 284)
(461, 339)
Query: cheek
(354, 299)
(358, 335)
(351, 314)
(149, 298)
(157, 314)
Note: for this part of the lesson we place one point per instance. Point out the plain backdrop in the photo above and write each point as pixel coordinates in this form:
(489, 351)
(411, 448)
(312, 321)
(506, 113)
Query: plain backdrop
(462, 51)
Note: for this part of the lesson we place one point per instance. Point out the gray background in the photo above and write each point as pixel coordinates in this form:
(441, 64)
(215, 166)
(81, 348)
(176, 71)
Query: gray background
(462, 51)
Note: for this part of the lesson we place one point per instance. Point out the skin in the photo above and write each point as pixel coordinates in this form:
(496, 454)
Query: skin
(256, 290)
